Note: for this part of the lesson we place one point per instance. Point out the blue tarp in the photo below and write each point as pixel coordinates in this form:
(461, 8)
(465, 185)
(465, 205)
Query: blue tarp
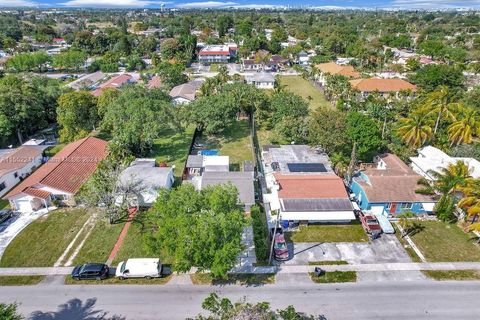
(207, 152)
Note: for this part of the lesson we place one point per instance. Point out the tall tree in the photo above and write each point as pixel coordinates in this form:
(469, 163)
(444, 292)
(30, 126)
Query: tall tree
(465, 126)
(185, 222)
(76, 114)
(363, 131)
(415, 130)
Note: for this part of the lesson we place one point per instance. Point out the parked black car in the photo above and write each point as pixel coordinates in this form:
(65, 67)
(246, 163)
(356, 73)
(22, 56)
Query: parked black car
(5, 214)
(90, 271)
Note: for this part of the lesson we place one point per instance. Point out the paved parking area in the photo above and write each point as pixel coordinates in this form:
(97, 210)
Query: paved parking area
(387, 248)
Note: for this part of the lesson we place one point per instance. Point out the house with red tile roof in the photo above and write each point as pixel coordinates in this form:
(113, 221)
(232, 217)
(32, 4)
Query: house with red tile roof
(115, 82)
(388, 187)
(60, 178)
(17, 164)
(383, 87)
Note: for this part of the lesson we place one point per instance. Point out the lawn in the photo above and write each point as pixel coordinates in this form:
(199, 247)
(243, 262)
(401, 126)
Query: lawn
(42, 242)
(328, 233)
(306, 90)
(443, 242)
(51, 151)
(99, 243)
(4, 204)
(234, 142)
(133, 246)
(114, 280)
(239, 279)
(334, 277)
(20, 280)
(453, 274)
(173, 148)
(266, 137)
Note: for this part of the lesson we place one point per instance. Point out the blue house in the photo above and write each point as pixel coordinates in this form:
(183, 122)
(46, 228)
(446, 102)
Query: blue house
(387, 186)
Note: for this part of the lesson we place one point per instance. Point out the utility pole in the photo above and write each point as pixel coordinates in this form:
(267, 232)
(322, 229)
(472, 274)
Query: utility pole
(273, 238)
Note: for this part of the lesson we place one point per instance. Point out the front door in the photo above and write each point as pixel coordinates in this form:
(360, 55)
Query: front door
(393, 207)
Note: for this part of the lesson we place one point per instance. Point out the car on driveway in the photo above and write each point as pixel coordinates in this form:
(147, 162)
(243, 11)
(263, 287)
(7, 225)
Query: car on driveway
(280, 248)
(90, 271)
(5, 214)
(370, 224)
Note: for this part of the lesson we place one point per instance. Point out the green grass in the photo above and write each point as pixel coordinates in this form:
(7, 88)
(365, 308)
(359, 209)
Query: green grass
(242, 279)
(452, 274)
(327, 262)
(266, 137)
(20, 280)
(42, 242)
(51, 151)
(443, 242)
(214, 67)
(306, 90)
(335, 277)
(114, 280)
(234, 142)
(173, 148)
(99, 243)
(328, 233)
(133, 246)
(413, 255)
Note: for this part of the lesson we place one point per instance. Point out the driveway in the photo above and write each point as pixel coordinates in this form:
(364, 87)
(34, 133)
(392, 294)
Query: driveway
(13, 226)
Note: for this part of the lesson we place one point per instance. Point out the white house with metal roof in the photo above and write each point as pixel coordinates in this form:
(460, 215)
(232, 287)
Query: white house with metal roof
(261, 80)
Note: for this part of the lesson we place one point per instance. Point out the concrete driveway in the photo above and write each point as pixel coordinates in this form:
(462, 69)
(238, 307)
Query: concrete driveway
(13, 226)
(385, 249)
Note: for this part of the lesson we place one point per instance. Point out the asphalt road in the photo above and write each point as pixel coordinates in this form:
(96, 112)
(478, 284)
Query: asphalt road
(400, 300)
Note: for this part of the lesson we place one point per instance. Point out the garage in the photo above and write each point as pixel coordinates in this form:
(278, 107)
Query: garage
(23, 205)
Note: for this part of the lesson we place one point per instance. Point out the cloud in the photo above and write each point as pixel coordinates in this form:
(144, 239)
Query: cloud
(435, 4)
(111, 3)
(18, 3)
(206, 4)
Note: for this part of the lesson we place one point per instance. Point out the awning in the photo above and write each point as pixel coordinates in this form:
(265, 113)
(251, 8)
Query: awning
(376, 210)
(428, 206)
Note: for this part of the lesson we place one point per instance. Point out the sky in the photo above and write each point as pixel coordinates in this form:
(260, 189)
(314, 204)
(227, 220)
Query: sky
(182, 4)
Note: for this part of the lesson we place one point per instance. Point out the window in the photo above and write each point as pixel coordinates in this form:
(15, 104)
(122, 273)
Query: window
(388, 206)
(2, 186)
(406, 205)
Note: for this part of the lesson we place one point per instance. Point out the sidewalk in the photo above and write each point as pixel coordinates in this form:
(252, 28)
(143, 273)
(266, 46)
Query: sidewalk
(378, 267)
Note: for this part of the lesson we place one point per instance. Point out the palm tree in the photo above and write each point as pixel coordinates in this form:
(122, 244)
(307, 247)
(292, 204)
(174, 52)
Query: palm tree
(471, 203)
(438, 102)
(415, 130)
(447, 185)
(465, 127)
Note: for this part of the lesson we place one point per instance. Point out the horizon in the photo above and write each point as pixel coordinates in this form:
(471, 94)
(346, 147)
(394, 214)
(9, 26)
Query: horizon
(390, 5)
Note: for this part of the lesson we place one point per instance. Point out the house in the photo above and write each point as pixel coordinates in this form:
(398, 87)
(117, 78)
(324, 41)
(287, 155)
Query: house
(144, 177)
(115, 82)
(87, 81)
(17, 164)
(215, 54)
(312, 198)
(331, 68)
(183, 94)
(431, 158)
(251, 65)
(60, 178)
(303, 58)
(383, 86)
(302, 187)
(261, 80)
(203, 171)
(388, 187)
(242, 180)
(59, 41)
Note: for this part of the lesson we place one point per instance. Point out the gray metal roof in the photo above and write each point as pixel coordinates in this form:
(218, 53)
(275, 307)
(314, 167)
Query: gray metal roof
(315, 205)
(146, 175)
(194, 161)
(243, 181)
(248, 165)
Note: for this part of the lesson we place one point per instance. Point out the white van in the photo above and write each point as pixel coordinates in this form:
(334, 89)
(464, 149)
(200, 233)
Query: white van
(139, 268)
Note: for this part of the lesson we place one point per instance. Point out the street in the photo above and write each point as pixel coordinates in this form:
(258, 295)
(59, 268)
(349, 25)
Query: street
(369, 300)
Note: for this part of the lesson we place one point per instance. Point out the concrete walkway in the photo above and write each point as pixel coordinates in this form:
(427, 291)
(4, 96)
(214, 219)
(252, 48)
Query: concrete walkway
(368, 267)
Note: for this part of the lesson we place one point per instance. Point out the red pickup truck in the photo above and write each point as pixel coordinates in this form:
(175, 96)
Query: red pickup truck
(370, 223)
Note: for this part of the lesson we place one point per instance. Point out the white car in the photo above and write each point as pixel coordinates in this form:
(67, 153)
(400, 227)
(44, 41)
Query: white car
(140, 268)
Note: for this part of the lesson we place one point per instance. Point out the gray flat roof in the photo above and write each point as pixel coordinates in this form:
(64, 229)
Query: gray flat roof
(243, 181)
(286, 155)
(145, 175)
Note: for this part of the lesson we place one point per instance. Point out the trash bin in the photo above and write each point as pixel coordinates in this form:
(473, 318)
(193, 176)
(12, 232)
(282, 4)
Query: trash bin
(319, 271)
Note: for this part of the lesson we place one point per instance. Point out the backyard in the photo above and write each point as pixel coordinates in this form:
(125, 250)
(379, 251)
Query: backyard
(328, 233)
(443, 242)
(234, 142)
(306, 90)
(173, 148)
(42, 242)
